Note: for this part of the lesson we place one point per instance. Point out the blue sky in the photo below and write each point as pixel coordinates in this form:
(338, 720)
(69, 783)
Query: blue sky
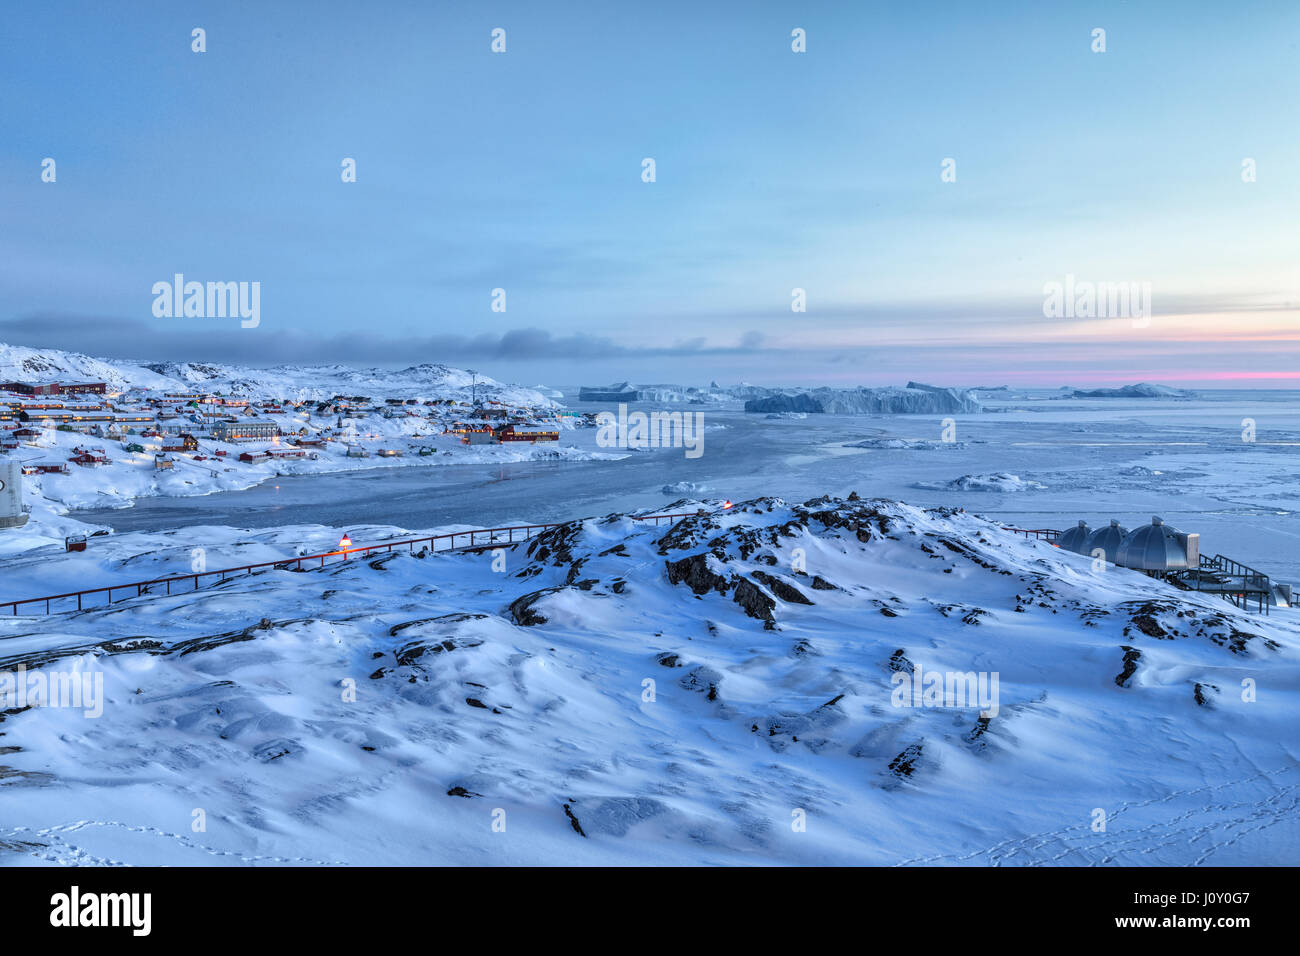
(775, 170)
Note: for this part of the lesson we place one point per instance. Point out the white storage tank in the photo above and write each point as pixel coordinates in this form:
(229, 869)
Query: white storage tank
(11, 494)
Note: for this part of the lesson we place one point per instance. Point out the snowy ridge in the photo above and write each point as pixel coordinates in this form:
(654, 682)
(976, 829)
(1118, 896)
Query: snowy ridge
(311, 382)
(773, 637)
(21, 364)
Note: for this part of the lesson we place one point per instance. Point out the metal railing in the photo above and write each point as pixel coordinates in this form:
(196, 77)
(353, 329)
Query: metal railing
(1041, 534)
(481, 538)
(1242, 581)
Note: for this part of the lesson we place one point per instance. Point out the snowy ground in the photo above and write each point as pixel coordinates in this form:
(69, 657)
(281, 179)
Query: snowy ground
(501, 704)
(1118, 694)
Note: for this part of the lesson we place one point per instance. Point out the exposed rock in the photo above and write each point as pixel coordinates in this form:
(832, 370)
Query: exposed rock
(904, 765)
(695, 573)
(410, 653)
(521, 608)
(755, 603)
(573, 821)
(1131, 657)
(454, 618)
(703, 680)
(898, 662)
(786, 592)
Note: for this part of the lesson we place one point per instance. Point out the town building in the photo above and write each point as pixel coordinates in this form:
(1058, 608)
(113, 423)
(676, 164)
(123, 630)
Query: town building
(31, 388)
(531, 433)
(244, 430)
(90, 459)
(182, 442)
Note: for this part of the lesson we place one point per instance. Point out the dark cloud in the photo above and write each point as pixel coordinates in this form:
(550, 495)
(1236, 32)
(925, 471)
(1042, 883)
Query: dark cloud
(222, 340)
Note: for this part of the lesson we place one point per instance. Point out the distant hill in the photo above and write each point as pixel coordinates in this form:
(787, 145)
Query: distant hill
(428, 380)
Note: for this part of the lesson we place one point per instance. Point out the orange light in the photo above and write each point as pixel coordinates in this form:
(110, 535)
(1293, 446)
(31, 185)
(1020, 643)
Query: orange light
(344, 543)
(726, 505)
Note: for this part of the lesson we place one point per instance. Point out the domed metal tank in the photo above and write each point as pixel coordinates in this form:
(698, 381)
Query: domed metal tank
(1107, 540)
(1074, 538)
(1158, 547)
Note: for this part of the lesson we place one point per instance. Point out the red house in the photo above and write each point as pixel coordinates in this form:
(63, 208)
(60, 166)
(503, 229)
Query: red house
(89, 460)
(27, 388)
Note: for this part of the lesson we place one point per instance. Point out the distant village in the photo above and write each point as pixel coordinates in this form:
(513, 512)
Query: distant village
(164, 428)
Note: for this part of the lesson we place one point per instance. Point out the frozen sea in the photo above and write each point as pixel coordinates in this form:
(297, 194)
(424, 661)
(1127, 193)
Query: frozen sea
(1184, 459)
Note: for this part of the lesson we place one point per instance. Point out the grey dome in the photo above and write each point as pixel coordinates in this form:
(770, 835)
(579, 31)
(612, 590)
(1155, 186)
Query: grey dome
(1153, 547)
(1073, 539)
(1107, 540)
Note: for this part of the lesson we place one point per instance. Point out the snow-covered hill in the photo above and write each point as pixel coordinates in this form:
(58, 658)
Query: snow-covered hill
(21, 364)
(314, 382)
(727, 688)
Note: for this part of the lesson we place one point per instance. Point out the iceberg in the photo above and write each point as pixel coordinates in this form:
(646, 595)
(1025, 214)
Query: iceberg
(915, 399)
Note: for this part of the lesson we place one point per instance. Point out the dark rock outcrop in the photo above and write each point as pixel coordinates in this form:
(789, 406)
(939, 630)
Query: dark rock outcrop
(1131, 657)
